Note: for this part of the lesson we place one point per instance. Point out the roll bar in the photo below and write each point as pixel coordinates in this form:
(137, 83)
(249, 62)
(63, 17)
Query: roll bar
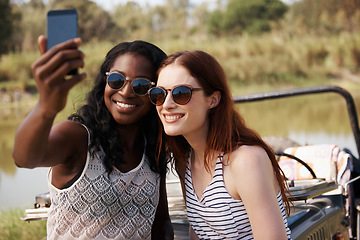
(311, 90)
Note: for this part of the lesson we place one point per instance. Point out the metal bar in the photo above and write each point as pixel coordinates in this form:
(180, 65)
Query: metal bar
(351, 181)
(298, 160)
(311, 90)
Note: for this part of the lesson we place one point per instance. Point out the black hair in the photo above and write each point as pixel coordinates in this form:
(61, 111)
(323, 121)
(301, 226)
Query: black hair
(95, 115)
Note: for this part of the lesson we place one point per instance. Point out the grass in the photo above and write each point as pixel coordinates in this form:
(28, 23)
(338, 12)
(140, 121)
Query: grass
(274, 58)
(12, 228)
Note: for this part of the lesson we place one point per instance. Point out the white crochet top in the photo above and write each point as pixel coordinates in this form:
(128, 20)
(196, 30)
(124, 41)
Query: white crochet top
(98, 206)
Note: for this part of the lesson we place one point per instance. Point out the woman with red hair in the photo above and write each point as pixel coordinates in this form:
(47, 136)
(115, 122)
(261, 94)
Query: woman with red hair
(233, 186)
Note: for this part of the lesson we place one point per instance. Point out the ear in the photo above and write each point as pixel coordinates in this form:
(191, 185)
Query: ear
(215, 99)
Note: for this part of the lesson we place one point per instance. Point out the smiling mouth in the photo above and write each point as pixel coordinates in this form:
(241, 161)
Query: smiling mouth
(173, 117)
(124, 105)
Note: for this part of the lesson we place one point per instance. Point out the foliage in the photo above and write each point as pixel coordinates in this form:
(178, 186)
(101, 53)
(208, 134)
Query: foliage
(32, 24)
(313, 39)
(5, 24)
(180, 19)
(29, 21)
(274, 58)
(170, 20)
(252, 16)
(325, 16)
(129, 19)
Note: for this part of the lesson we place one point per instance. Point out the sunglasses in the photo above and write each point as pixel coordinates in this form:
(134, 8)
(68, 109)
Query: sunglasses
(180, 94)
(140, 86)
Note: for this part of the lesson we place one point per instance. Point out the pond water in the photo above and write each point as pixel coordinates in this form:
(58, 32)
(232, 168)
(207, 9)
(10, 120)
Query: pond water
(306, 120)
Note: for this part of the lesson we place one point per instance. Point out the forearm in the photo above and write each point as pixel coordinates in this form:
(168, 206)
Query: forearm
(31, 139)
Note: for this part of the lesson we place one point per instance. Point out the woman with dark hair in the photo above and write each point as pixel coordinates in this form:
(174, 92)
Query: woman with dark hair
(233, 186)
(105, 181)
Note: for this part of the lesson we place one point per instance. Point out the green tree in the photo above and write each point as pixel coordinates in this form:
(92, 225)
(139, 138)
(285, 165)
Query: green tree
(216, 22)
(159, 19)
(33, 24)
(176, 17)
(129, 18)
(199, 17)
(5, 25)
(16, 39)
(253, 16)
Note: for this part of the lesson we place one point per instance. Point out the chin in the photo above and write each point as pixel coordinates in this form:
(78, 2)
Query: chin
(172, 132)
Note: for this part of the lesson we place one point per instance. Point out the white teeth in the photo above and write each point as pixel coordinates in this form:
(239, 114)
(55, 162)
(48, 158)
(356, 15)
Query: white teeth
(124, 105)
(173, 117)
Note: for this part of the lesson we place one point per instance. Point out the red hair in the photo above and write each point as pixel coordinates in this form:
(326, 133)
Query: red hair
(227, 129)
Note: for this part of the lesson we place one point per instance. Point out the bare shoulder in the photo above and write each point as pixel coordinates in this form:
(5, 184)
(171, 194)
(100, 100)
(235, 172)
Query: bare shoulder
(248, 157)
(68, 149)
(69, 125)
(252, 164)
(69, 128)
(68, 139)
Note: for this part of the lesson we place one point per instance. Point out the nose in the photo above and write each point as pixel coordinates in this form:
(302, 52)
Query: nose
(126, 90)
(168, 102)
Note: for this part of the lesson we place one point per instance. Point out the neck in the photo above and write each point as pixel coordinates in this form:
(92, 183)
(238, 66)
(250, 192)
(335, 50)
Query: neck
(198, 144)
(132, 136)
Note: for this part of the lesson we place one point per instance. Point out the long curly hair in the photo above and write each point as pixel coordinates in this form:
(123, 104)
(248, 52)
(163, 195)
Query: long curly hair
(97, 118)
(227, 128)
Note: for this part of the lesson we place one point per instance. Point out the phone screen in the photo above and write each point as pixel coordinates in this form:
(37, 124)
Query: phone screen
(61, 26)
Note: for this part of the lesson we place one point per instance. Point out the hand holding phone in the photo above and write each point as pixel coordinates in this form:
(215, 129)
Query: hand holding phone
(62, 25)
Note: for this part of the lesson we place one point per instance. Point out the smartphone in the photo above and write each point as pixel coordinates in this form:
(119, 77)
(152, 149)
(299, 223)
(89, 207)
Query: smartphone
(62, 25)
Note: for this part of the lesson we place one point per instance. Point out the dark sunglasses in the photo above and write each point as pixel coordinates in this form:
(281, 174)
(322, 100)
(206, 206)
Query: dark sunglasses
(180, 94)
(140, 86)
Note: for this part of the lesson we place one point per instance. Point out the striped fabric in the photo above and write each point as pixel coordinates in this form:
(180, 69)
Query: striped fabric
(217, 215)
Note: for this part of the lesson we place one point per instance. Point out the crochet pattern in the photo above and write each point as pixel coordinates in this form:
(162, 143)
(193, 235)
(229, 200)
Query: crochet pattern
(120, 207)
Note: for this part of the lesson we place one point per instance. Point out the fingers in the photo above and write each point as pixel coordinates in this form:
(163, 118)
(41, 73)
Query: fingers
(54, 71)
(60, 59)
(46, 55)
(62, 63)
(75, 79)
(50, 72)
(42, 42)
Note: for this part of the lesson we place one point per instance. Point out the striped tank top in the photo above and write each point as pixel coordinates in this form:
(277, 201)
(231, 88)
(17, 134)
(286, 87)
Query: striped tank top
(217, 215)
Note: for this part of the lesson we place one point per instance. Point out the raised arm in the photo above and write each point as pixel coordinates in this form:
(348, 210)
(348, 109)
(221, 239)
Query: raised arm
(35, 143)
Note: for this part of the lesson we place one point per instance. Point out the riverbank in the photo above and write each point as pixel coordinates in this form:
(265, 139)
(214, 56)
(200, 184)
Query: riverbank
(15, 104)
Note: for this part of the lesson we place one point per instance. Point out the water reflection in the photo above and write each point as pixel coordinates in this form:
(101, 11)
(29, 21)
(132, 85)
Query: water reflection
(306, 120)
(6, 144)
(312, 119)
(18, 187)
(327, 113)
